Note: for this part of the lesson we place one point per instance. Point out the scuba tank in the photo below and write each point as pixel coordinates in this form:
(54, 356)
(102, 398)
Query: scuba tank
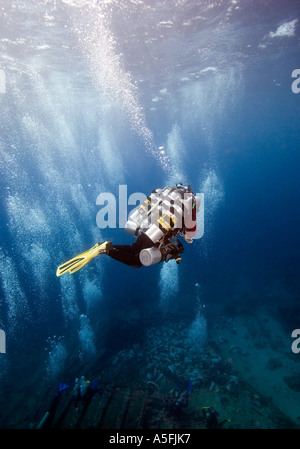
(160, 217)
(150, 256)
(162, 211)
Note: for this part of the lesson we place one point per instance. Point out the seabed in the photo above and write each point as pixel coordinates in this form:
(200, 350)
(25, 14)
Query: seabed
(243, 371)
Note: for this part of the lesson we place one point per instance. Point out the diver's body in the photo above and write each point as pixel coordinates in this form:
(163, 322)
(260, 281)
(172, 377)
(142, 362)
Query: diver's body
(157, 224)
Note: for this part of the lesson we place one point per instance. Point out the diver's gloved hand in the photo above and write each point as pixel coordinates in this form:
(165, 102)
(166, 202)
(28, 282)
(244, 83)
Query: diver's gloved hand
(170, 251)
(81, 260)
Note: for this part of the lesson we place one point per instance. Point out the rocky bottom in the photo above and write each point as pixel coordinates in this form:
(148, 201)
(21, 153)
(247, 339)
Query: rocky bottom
(172, 382)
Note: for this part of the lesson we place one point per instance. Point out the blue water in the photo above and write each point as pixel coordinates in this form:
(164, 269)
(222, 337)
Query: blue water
(143, 94)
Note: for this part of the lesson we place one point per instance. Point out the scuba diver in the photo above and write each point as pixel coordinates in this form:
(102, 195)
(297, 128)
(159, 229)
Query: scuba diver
(48, 418)
(156, 223)
(210, 417)
(179, 400)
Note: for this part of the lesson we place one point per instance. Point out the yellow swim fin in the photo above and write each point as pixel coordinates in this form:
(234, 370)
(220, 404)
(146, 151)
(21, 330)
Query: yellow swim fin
(82, 259)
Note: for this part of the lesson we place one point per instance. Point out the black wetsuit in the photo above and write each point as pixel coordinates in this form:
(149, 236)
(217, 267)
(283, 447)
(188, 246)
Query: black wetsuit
(129, 254)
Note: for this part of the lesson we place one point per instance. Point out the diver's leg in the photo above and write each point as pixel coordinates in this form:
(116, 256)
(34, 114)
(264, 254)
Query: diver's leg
(130, 254)
(124, 254)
